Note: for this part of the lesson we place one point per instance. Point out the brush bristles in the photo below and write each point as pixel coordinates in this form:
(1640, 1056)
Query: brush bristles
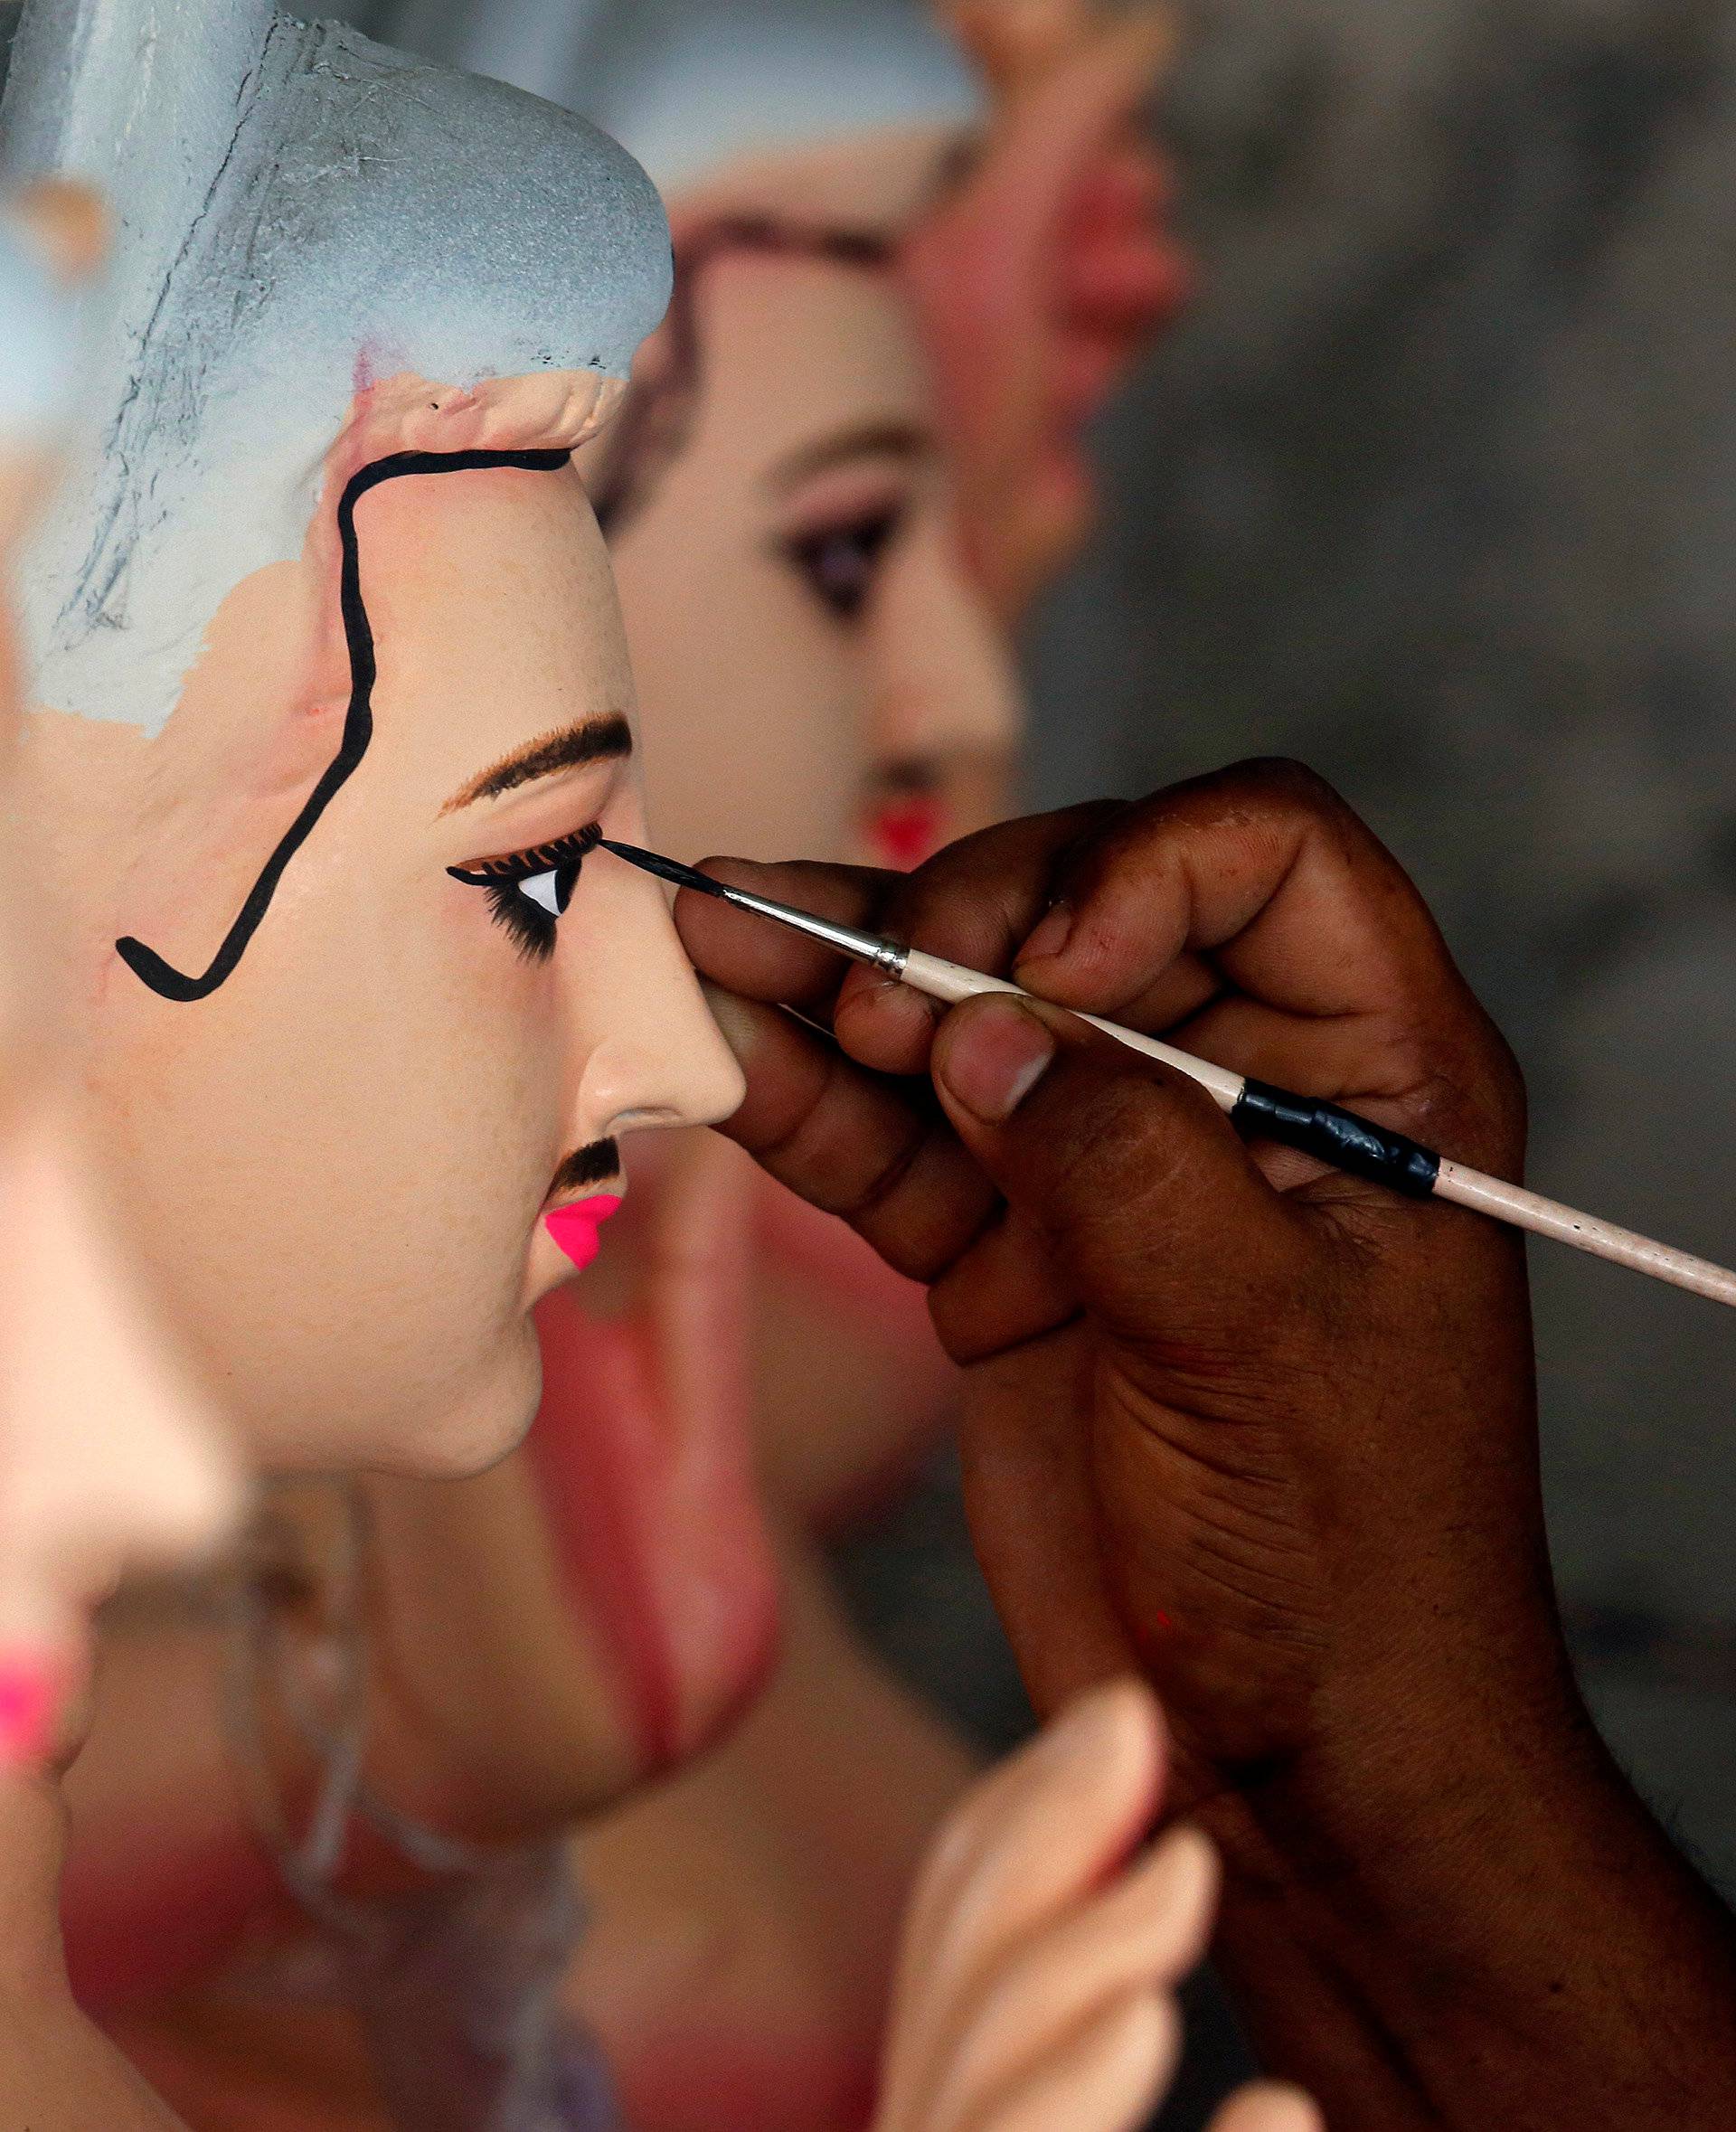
(688, 877)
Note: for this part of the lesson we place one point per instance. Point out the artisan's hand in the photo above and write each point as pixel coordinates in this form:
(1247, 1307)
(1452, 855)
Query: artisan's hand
(1266, 1433)
(1036, 1985)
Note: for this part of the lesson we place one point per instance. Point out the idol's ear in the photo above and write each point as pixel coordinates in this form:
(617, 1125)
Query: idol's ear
(70, 224)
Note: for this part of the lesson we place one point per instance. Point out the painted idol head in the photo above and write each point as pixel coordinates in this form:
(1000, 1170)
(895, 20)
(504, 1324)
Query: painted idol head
(331, 703)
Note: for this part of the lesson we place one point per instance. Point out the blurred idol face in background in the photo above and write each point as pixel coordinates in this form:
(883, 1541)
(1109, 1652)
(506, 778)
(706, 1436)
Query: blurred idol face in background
(818, 668)
(852, 456)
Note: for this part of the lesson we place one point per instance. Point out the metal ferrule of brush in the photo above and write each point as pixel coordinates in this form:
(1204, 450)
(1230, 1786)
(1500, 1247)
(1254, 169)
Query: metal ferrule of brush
(885, 956)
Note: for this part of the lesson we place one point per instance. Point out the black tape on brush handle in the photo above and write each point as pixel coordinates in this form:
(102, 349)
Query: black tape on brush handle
(1339, 1136)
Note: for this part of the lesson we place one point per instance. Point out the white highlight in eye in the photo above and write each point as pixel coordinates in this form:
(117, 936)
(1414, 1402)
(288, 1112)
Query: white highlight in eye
(545, 889)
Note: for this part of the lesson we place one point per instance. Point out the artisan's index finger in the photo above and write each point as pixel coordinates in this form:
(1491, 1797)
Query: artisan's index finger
(763, 961)
(1265, 870)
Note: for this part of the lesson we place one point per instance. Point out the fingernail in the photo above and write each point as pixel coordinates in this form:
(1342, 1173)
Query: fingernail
(1051, 936)
(995, 1059)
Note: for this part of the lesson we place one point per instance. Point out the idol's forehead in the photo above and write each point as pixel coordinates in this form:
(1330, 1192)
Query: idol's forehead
(363, 217)
(495, 624)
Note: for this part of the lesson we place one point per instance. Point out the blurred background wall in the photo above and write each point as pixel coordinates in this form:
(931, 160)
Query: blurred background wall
(1436, 489)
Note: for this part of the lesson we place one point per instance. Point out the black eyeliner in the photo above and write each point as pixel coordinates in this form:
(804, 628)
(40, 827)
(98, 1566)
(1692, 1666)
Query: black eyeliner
(146, 964)
(541, 858)
(528, 924)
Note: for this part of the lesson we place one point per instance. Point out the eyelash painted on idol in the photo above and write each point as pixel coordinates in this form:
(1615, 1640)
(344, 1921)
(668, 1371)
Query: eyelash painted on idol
(528, 892)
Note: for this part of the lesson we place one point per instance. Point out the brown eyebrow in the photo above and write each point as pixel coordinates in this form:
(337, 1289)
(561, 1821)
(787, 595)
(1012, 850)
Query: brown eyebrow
(594, 739)
(902, 440)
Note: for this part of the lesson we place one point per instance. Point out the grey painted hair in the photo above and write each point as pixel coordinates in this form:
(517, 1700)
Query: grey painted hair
(300, 208)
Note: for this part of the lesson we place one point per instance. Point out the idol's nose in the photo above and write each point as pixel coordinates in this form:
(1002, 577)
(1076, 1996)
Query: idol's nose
(652, 1055)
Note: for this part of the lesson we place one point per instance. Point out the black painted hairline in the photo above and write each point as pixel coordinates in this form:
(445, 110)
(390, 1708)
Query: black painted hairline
(654, 425)
(146, 964)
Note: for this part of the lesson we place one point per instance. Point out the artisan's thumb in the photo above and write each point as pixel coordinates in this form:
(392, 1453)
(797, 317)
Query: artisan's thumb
(1158, 1219)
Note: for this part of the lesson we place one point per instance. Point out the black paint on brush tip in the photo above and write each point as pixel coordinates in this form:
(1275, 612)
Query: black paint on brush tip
(688, 877)
(146, 964)
(1337, 1137)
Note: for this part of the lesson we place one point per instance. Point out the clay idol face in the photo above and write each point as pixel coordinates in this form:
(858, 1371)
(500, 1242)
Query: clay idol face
(331, 708)
(810, 498)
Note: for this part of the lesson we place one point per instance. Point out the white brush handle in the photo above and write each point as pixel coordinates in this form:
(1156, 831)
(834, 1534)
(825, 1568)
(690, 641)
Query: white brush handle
(1511, 1203)
(1585, 1233)
(952, 982)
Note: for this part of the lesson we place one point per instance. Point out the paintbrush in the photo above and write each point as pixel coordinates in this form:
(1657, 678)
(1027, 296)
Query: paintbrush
(1332, 1136)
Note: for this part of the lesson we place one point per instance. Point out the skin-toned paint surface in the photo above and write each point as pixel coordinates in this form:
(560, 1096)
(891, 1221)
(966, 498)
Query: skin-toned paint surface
(357, 1253)
(109, 1459)
(811, 499)
(354, 735)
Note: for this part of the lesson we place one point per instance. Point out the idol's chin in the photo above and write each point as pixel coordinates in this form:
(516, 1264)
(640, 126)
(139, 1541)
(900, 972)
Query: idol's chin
(469, 1434)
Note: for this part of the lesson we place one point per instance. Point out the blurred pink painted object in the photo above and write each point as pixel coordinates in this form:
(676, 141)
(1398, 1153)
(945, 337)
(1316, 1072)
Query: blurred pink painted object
(32, 1693)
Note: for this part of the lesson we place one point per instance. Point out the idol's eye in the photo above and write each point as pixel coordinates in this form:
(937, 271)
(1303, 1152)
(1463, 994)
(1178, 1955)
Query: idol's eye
(529, 891)
(839, 562)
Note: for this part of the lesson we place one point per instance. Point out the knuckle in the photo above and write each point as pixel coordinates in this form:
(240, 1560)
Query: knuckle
(978, 898)
(1286, 782)
(1277, 789)
(1287, 774)
(1465, 1081)
(1112, 872)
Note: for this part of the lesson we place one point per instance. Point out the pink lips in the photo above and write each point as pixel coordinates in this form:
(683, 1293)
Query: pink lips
(575, 1228)
(32, 1694)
